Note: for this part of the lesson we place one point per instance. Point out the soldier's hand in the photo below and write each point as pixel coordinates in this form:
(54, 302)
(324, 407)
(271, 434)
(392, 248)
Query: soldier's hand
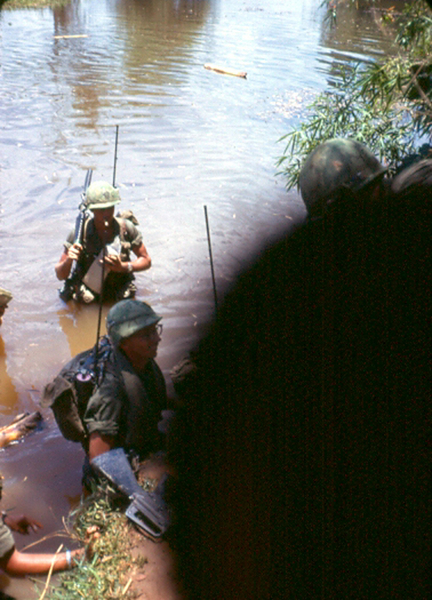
(22, 524)
(75, 251)
(114, 263)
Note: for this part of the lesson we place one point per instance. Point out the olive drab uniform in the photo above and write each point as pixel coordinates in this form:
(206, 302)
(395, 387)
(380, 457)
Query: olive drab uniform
(127, 405)
(126, 236)
(119, 402)
(90, 278)
(6, 538)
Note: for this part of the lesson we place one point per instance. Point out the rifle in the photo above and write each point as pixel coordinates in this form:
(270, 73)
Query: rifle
(67, 290)
(147, 510)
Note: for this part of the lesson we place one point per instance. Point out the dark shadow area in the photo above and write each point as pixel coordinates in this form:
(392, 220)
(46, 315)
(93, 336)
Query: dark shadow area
(303, 453)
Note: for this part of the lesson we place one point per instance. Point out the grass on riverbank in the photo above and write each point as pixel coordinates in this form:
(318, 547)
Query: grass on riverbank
(17, 4)
(108, 573)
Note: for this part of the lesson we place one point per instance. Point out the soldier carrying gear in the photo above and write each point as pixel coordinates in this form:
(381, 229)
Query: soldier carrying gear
(106, 241)
(334, 167)
(126, 406)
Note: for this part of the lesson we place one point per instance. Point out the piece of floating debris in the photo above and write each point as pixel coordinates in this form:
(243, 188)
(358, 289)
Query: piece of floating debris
(64, 37)
(225, 71)
(19, 427)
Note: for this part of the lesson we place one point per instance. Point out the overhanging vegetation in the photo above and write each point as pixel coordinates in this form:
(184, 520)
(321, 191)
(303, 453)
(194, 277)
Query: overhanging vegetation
(386, 105)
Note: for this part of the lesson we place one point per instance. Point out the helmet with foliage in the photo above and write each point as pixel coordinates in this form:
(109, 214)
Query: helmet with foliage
(127, 317)
(334, 165)
(101, 194)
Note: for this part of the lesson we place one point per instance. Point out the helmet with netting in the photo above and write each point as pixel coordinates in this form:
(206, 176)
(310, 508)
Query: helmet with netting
(101, 194)
(334, 165)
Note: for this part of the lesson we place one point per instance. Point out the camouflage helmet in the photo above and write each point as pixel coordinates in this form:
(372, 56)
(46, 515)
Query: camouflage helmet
(101, 194)
(332, 166)
(127, 317)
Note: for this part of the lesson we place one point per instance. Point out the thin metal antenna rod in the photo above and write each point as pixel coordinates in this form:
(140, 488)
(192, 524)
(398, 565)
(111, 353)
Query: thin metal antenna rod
(103, 258)
(100, 312)
(115, 155)
(211, 258)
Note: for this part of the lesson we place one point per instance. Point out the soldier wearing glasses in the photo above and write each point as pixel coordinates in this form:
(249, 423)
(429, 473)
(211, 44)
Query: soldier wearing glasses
(126, 407)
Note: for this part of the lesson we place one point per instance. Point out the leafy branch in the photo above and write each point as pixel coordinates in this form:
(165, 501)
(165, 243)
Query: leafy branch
(386, 105)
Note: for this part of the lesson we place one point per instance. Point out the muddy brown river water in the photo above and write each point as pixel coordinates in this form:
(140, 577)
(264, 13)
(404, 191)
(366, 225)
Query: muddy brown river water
(188, 138)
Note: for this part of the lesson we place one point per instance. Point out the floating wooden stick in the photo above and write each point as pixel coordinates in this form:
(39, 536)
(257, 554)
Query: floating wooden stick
(225, 71)
(65, 37)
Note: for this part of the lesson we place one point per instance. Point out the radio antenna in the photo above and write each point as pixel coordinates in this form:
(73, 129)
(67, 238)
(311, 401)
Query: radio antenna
(115, 155)
(211, 258)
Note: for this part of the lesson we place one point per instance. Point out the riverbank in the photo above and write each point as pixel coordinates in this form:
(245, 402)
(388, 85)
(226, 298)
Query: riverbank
(124, 564)
(17, 4)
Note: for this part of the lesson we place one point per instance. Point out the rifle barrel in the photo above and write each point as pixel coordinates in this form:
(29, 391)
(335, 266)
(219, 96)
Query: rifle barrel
(88, 179)
(66, 291)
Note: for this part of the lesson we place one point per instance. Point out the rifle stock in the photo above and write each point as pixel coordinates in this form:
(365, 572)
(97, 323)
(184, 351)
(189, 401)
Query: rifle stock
(146, 509)
(68, 288)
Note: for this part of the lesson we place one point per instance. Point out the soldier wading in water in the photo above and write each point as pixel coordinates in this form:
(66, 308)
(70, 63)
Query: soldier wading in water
(118, 236)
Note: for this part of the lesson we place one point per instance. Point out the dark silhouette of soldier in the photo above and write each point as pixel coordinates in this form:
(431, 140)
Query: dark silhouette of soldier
(302, 454)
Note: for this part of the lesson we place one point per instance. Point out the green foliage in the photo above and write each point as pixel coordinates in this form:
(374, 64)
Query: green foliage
(106, 574)
(386, 105)
(19, 4)
(415, 32)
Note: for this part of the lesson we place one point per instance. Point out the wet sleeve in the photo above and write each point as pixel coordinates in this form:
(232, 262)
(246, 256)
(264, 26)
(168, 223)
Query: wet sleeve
(134, 235)
(104, 409)
(6, 539)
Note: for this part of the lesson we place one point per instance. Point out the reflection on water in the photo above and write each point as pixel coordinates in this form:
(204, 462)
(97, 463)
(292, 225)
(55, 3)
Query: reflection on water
(356, 35)
(146, 45)
(8, 393)
(79, 323)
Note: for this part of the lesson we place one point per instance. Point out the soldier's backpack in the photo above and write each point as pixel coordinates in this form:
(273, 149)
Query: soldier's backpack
(69, 392)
